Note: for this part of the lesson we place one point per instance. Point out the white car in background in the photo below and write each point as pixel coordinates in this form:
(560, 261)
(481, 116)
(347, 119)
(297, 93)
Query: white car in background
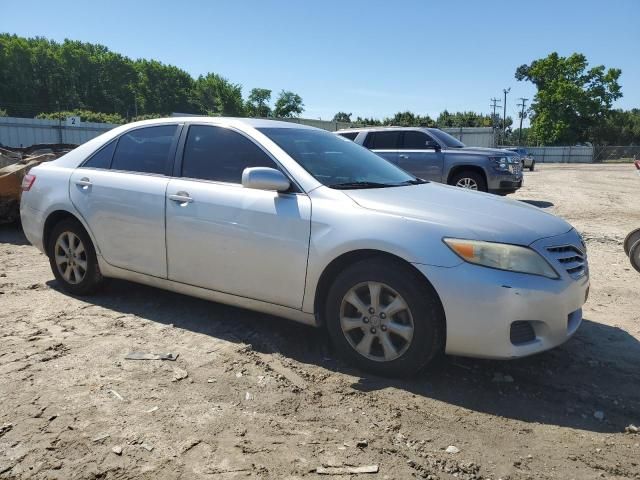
(301, 223)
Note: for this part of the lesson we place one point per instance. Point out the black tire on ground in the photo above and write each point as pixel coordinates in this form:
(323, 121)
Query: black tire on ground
(634, 255)
(423, 304)
(631, 239)
(472, 175)
(92, 279)
(533, 166)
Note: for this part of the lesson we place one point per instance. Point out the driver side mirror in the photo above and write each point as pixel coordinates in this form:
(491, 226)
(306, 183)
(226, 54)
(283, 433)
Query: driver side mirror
(433, 144)
(264, 178)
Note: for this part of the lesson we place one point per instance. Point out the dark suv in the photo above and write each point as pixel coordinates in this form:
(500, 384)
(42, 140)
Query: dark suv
(432, 154)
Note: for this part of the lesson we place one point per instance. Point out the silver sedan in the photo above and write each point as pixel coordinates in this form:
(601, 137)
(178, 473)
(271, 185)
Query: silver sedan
(298, 222)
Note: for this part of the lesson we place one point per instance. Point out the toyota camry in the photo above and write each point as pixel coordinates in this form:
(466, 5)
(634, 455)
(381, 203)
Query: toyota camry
(297, 222)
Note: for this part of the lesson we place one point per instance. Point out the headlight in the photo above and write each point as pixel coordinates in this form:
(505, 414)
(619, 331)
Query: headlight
(502, 256)
(504, 164)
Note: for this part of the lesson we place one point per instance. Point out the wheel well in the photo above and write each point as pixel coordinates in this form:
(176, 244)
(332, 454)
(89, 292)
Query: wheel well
(52, 220)
(347, 259)
(462, 168)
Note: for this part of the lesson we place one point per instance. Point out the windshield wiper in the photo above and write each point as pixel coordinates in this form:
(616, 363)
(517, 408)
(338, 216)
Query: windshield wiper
(417, 181)
(354, 185)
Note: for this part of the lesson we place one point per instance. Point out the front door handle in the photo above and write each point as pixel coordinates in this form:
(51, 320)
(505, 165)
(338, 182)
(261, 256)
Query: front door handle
(404, 157)
(181, 197)
(84, 182)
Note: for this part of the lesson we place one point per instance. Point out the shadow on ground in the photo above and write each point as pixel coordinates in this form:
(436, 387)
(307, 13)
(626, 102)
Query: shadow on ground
(11, 233)
(538, 203)
(597, 370)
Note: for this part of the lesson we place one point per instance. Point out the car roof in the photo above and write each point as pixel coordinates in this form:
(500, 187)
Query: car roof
(381, 129)
(230, 121)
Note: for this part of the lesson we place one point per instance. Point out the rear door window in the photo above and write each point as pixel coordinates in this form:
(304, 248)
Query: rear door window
(413, 140)
(383, 140)
(220, 154)
(145, 150)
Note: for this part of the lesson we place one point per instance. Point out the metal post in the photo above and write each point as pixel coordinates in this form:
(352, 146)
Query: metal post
(524, 102)
(504, 115)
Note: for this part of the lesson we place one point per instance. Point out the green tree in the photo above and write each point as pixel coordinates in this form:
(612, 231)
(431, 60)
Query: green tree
(342, 117)
(572, 101)
(215, 95)
(374, 122)
(162, 88)
(3, 113)
(409, 119)
(468, 119)
(621, 127)
(258, 103)
(288, 104)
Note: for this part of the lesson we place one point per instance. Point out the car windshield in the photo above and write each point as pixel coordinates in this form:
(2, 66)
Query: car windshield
(337, 162)
(448, 140)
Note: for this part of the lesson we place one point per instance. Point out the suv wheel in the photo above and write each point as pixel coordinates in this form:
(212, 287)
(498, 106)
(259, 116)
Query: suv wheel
(470, 180)
(533, 166)
(384, 318)
(73, 258)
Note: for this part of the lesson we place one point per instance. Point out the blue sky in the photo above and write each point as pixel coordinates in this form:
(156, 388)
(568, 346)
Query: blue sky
(371, 58)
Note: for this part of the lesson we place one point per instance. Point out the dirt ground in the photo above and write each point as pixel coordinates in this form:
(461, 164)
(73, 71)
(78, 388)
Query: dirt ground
(251, 396)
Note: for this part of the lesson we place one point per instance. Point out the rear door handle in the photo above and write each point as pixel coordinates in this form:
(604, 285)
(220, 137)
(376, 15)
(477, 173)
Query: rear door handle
(403, 156)
(84, 182)
(181, 197)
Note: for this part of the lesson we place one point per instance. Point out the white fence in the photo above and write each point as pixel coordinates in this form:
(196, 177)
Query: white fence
(24, 132)
(575, 154)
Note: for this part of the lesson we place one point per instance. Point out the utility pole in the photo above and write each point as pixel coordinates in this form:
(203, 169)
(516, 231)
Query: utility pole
(523, 104)
(504, 114)
(494, 123)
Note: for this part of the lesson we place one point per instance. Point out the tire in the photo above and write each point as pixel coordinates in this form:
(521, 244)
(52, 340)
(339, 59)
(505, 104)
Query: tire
(630, 240)
(80, 275)
(533, 166)
(634, 255)
(416, 333)
(471, 177)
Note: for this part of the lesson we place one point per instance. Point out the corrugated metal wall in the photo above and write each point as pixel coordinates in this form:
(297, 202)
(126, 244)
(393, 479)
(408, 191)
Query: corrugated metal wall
(24, 132)
(473, 136)
(562, 154)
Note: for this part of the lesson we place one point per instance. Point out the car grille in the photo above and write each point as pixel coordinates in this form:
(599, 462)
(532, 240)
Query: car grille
(572, 259)
(515, 168)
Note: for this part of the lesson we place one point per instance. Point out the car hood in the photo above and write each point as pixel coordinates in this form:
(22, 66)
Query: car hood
(494, 152)
(464, 213)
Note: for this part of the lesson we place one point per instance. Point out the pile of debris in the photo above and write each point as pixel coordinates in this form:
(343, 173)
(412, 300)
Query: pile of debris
(15, 163)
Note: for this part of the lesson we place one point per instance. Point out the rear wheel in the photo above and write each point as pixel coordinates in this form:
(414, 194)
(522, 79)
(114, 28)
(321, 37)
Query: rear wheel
(73, 258)
(469, 179)
(384, 318)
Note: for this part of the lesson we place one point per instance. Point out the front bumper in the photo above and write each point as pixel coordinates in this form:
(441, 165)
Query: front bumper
(480, 305)
(507, 183)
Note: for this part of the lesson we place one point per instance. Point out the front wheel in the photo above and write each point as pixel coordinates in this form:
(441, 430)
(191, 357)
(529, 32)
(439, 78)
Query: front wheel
(385, 318)
(634, 255)
(73, 258)
(469, 179)
(533, 166)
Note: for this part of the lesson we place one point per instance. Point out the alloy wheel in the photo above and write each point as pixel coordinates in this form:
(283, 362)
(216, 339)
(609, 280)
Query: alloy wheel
(467, 182)
(70, 257)
(376, 321)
